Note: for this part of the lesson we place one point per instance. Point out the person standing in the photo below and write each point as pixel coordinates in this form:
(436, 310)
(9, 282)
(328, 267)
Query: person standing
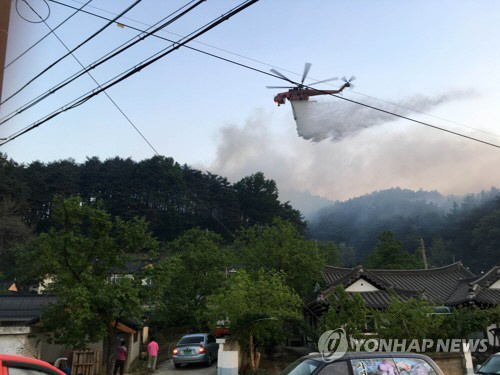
(121, 357)
(152, 353)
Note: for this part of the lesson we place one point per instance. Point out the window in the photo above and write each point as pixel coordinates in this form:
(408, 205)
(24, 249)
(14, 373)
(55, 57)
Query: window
(335, 368)
(25, 371)
(413, 366)
(191, 340)
(491, 366)
(301, 367)
(372, 366)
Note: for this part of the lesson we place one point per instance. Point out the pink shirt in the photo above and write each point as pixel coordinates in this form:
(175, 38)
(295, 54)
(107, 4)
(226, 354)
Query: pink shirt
(122, 353)
(153, 349)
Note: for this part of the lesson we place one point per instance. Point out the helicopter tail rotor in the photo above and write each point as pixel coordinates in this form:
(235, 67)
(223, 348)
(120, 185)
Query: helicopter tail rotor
(348, 81)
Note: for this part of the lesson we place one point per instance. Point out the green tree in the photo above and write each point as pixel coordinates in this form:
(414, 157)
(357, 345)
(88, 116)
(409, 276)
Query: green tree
(258, 307)
(195, 266)
(345, 310)
(486, 235)
(440, 252)
(329, 251)
(259, 203)
(390, 254)
(280, 247)
(79, 254)
(410, 319)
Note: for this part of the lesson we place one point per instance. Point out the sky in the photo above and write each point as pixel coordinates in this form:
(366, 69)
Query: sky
(435, 62)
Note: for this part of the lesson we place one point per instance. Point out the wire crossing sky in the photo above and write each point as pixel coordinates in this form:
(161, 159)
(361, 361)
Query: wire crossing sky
(219, 117)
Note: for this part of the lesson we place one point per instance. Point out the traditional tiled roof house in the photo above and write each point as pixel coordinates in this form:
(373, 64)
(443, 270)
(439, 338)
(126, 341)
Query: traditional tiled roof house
(450, 285)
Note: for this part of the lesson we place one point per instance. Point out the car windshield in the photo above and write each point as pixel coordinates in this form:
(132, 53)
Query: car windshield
(492, 366)
(301, 367)
(191, 340)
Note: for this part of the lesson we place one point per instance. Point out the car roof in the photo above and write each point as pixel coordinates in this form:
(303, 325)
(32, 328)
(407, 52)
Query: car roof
(196, 334)
(30, 361)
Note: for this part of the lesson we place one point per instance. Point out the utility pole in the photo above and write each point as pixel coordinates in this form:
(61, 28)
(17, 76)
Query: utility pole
(4, 33)
(422, 247)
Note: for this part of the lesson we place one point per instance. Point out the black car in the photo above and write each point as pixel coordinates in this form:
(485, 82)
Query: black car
(363, 363)
(491, 366)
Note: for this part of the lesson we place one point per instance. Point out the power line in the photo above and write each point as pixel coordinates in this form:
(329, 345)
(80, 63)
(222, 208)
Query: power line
(130, 72)
(177, 45)
(115, 52)
(46, 35)
(274, 66)
(92, 77)
(270, 65)
(73, 50)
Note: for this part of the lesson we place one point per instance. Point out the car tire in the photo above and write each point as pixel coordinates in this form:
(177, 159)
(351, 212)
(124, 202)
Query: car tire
(177, 365)
(209, 360)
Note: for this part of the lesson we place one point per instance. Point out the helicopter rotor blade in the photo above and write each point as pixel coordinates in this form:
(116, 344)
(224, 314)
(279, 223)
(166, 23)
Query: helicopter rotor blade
(280, 87)
(323, 81)
(352, 78)
(307, 67)
(281, 75)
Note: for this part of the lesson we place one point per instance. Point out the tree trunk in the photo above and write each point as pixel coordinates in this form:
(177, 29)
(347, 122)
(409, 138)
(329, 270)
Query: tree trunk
(257, 359)
(110, 352)
(252, 357)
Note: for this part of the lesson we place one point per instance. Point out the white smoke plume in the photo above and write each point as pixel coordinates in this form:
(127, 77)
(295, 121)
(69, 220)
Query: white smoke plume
(402, 154)
(336, 118)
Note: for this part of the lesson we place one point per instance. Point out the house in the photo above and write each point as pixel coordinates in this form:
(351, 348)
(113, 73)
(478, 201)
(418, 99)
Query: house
(21, 334)
(8, 286)
(451, 286)
(377, 286)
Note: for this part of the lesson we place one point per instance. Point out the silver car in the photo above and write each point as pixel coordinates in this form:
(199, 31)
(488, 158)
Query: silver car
(195, 348)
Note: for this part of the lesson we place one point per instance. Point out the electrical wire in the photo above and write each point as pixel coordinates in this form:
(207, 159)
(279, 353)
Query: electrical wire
(280, 68)
(73, 50)
(177, 45)
(46, 35)
(130, 72)
(97, 83)
(115, 52)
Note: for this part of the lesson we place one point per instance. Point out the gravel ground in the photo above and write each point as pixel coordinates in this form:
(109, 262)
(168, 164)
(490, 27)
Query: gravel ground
(167, 368)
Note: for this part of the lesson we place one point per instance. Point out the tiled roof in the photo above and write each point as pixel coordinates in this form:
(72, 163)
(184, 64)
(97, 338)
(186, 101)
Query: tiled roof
(437, 284)
(380, 299)
(23, 308)
(475, 290)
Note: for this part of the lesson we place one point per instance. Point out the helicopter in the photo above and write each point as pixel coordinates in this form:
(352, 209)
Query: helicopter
(303, 92)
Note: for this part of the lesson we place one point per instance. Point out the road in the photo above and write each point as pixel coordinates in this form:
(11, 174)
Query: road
(167, 368)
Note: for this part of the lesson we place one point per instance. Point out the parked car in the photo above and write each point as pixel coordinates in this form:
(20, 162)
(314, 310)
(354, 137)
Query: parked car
(361, 363)
(491, 366)
(195, 348)
(15, 365)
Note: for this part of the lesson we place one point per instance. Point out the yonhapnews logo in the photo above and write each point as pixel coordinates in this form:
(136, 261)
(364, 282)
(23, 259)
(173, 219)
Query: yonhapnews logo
(333, 344)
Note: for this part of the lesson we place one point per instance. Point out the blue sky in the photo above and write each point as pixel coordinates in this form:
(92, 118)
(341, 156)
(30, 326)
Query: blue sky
(219, 117)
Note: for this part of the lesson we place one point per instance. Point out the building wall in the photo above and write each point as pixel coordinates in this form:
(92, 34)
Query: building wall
(450, 363)
(361, 286)
(17, 341)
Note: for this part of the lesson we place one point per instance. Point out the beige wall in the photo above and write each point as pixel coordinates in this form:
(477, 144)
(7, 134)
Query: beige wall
(361, 286)
(450, 363)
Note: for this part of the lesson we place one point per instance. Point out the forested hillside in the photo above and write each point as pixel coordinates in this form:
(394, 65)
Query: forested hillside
(173, 198)
(453, 228)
